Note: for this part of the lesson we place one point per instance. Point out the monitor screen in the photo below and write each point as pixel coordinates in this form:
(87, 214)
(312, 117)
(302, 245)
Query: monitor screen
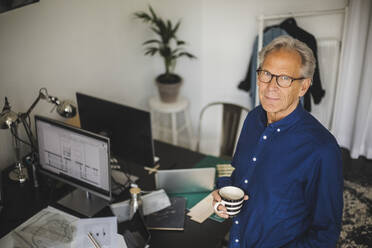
(129, 129)
(6, 5)
(74, 156)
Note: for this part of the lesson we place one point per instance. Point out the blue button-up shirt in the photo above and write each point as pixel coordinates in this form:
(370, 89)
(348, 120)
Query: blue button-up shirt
(292, 172)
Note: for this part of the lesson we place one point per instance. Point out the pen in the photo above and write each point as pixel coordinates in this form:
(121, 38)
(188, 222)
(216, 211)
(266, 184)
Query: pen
(94, 241)
(152, 170)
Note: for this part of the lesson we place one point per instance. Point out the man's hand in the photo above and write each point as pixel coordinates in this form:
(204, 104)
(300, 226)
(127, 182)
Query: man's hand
(217, 198)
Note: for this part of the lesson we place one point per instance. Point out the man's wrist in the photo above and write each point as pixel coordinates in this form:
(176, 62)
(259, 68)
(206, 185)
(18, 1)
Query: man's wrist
(222, 182)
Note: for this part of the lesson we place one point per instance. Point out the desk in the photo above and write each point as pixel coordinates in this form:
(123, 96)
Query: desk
(21, 201)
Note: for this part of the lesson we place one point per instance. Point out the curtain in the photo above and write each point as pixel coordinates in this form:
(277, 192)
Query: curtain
(352, 119)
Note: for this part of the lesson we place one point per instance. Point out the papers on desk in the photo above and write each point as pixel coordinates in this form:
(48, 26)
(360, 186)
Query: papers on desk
(121, 210)
(224, 170)
(49, 228)
(100, 229)
(155, 201)
(202, 210)
(151, 203)
(199, 204)
(54, 228)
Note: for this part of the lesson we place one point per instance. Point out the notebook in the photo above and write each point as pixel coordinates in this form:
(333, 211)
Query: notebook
(170, 218)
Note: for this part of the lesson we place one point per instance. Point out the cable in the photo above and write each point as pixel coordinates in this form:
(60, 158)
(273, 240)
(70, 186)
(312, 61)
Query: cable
(115, 166)
(19, 139)
(126, 171)
(128, 174)
(118, 185)
(29, 121)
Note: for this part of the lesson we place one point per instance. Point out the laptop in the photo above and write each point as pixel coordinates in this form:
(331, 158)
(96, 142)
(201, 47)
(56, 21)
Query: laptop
(186, 180)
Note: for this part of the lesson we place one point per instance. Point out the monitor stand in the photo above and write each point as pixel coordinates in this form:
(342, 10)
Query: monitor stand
(83, 202)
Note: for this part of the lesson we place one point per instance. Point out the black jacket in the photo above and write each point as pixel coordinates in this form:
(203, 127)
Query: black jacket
(316, 90)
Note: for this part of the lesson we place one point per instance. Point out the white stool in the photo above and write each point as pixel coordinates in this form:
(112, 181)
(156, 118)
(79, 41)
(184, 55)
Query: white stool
(180, 108)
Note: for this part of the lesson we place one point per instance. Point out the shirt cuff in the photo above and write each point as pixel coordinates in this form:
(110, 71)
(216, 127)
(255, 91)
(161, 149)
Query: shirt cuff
(223, 181)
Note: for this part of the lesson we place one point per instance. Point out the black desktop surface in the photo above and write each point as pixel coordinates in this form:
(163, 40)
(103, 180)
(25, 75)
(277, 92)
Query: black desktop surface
(1, 193)
(128, 128)
(23, 201)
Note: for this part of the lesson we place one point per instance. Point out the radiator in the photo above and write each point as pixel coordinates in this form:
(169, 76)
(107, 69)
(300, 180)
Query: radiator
(328, 58)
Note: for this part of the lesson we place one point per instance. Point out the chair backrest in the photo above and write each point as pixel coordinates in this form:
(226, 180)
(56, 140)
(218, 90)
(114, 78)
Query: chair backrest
(231, 116)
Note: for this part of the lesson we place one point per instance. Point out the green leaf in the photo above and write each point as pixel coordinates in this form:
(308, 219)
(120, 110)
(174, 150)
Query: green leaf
(189, 55)
(154, 16)
(144, 16)
(151, 51)
(163, 44)
(151, 41)
(156, 31)
(169, 28)
(163, 31)
(176, 27)
(175, 51)
(165, 51)
(180, 42)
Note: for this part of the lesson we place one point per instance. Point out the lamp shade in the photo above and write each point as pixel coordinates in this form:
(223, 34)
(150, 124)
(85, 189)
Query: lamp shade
(8, 119)
(66, 109)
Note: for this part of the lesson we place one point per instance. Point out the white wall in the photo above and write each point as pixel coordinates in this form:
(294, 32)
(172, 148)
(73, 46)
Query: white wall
(229, 30)
(94, 46)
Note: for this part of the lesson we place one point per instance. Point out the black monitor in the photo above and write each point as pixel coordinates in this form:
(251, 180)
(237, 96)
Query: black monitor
(6, 5)
(128, 128)
(76, 157)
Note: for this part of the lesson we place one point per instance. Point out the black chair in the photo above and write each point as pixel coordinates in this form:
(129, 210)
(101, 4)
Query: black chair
(231, 117)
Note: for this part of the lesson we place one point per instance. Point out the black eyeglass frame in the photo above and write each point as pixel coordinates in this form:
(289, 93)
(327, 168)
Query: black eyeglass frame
(276, 78)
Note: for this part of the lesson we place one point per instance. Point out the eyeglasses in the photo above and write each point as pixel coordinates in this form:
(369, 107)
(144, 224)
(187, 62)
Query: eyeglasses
(283, 81)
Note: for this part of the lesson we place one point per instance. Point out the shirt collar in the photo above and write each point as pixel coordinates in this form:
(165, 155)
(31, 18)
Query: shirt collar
(284, 123)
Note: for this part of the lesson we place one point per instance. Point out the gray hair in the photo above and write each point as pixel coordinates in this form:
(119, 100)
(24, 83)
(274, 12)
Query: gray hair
(287, 42)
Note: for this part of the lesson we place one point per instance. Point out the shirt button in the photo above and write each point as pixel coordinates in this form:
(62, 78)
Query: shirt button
(264, 137)
(236, 240)
(236, 222)
(278, 130)
(254, 159)
(246, 181)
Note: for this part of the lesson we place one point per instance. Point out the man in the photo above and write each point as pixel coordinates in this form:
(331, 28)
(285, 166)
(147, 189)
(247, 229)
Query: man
(287, 163)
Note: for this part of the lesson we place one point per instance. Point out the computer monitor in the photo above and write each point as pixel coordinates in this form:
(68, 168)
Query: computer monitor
(76, 157)
(128, 128)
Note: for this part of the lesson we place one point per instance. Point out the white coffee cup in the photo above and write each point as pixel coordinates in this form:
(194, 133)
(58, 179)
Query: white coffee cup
(232, 199)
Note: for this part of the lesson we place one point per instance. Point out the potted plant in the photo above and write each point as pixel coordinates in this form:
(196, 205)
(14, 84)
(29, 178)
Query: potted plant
(169, 47)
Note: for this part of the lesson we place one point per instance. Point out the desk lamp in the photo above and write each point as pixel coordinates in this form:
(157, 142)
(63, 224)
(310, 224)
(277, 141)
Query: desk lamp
(10, 120)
